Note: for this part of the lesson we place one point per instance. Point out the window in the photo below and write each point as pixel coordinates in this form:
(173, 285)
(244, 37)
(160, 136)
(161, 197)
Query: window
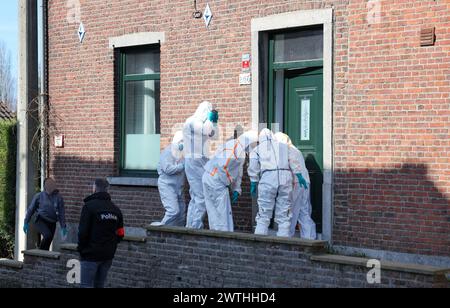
(140, 131)
(299, 45)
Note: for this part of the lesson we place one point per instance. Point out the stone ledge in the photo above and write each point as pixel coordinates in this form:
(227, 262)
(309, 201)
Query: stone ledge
(69, 247)
(73, 246)
(385, 265)
(11, 263)
(133, 182)
(137, 239)
(240, 236)
(42, 254)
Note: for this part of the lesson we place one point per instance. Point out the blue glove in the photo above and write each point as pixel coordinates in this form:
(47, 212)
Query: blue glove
(235, 197)
(181, 147)
(64, 232)
(26, 227)
(253, 189)
(302, 180)
(213, 116)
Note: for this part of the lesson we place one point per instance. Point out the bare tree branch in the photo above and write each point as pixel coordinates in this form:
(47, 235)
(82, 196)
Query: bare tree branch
(45, 119)
(7, 80)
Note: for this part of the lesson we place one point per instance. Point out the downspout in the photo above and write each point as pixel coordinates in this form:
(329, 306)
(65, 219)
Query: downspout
(43, 105)
(27, 91)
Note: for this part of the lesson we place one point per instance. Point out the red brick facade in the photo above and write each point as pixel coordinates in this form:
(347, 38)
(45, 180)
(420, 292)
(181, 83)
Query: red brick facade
(391, 102)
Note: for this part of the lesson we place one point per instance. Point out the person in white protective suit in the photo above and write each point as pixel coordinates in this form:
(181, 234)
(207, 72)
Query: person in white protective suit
(301, 196)
(270, 175)
(197, 131)
(224, 171)
(171, 183)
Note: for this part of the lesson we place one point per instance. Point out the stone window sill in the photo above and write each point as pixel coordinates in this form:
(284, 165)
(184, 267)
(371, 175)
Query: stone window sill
(133, 182)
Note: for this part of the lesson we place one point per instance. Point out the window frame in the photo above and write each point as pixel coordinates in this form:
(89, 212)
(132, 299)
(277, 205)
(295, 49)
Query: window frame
(123, 79)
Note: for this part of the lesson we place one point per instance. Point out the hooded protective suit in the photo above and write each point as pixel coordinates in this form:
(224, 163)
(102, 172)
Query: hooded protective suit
(301, 200)
(225, 171)
(270, 167)
(197, 131)
(171, 183)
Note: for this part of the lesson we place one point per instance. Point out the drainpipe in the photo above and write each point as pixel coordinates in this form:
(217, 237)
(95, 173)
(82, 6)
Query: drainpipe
(27, 91)
(44, 94)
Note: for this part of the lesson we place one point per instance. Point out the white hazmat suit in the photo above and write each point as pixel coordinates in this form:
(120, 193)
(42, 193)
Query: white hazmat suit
(301, 198)
(270, 168)
(223, 171)
(171, 183)
(197, 131)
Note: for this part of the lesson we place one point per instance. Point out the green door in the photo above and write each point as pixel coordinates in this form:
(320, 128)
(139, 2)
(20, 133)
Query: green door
(304, 124)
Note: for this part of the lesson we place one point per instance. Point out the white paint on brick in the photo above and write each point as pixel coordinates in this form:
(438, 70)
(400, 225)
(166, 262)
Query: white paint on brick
(294, 20)
(137, 39)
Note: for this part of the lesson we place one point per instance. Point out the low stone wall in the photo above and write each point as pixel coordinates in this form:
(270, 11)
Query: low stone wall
(181, 258)
(10, 274)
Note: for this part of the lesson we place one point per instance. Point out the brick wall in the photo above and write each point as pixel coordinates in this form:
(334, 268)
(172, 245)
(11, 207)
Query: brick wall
(391, 107)
(392, 145)
(10, 277)
(173, 259)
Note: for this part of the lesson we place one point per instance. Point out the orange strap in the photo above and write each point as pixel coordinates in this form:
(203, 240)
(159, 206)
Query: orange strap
(214, 172)
(225, 167)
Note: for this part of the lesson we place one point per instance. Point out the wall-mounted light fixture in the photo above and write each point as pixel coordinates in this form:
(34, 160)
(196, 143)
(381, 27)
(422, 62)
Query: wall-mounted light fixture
(197, 14)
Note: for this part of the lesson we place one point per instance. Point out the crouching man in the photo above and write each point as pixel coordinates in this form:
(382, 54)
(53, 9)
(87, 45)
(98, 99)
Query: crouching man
(101, 229)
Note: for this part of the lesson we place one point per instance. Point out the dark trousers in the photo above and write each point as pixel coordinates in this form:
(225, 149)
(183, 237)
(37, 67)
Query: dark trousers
(47, 231)
(93, 274)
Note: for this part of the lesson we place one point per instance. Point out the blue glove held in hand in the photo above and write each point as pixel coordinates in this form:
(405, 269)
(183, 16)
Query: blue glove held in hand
(64, 232)
(302, 180)
(253, 189)
(214, 116)
(235, 197)
(26, 227)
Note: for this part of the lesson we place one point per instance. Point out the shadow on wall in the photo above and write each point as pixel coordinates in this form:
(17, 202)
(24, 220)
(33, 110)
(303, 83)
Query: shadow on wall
(398, 209)
(140, 205)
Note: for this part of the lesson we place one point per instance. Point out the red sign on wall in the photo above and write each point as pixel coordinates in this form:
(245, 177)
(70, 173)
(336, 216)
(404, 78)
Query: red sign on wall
(246, 61)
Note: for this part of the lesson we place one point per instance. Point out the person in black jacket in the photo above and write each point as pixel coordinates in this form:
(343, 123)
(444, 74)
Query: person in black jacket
(100, 230)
